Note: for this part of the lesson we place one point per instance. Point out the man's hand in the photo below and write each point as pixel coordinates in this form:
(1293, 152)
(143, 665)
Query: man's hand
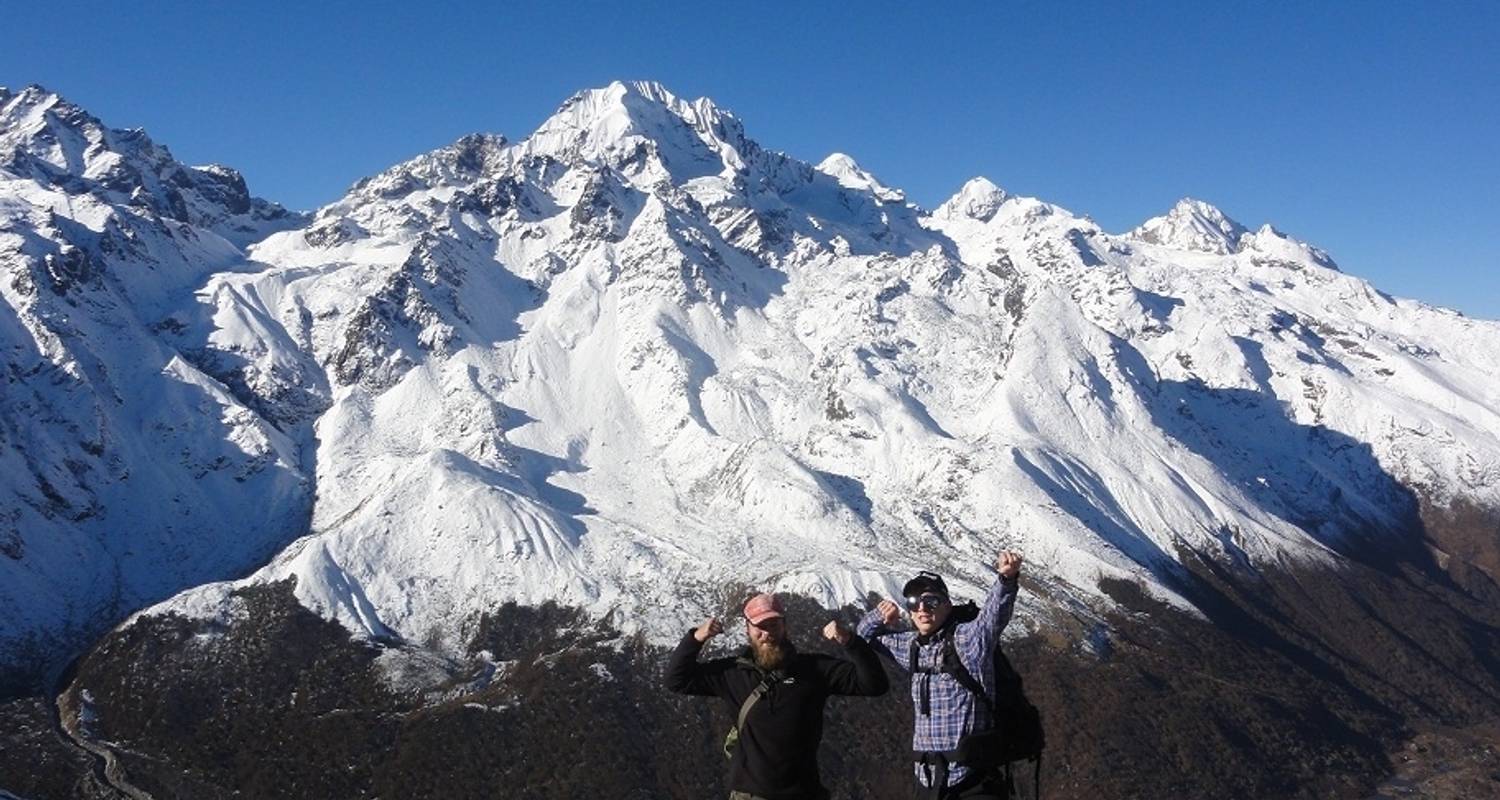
(1009, 564)
(835, 631)
(708, 630)
(890, 613)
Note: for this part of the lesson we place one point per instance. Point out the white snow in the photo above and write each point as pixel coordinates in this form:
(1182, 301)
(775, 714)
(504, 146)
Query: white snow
(635, 361)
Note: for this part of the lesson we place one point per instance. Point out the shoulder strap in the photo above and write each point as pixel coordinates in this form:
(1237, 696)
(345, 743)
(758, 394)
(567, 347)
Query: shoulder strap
(924, 703)
(953, 665)
(767, 680)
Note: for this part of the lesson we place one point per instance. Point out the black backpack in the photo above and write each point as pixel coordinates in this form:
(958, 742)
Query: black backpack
(1018, 734)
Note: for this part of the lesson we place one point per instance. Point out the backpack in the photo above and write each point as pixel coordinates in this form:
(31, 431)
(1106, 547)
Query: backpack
(1018, 734)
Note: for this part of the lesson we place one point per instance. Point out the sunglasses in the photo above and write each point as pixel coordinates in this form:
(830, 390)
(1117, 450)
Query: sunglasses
(929, 601)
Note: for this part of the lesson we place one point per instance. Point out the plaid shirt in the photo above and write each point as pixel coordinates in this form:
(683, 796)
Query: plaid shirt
(955, 710)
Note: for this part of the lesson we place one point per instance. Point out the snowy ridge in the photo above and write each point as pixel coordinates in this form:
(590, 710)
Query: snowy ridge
(850, 175)
(129, 471)
(54, 143)
(634, 359)
(1194, 225)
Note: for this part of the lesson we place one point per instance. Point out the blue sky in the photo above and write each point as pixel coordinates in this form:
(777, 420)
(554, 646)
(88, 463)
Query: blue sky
(1368, 129)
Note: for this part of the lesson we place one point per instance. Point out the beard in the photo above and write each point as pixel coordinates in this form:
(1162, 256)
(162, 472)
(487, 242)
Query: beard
(771, 655)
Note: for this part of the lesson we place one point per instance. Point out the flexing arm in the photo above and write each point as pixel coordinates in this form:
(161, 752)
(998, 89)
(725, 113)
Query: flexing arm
(861, 674)
(876, 628)
(685, 675)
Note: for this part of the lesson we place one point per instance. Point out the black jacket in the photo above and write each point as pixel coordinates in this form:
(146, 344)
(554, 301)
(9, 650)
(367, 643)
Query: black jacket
(777, 754)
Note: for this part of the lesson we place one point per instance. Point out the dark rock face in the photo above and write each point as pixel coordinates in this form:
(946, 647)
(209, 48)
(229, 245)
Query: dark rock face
(333, 232)
(1465, 539)
(1297, 684)
(223, 186)
(601, 210)
(267, 708)
(1446, 762)
(416, 311)
(70, 267)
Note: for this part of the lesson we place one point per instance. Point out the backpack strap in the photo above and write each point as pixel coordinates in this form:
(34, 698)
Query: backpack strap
(925, 701)
(767, 680)
(954, 666)
(951, 665)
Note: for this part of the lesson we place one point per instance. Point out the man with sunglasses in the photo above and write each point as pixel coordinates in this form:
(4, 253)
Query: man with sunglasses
(948, 714)
(777, 695)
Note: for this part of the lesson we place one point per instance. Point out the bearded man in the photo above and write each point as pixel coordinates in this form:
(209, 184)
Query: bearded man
(777, 694)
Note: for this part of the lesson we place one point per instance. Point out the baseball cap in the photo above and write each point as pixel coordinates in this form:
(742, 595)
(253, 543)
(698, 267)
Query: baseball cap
(763, 607)
(925, 582)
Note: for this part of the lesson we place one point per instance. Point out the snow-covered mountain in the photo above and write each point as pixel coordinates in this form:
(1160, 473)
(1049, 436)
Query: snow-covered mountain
(128, 472)
(635, 358)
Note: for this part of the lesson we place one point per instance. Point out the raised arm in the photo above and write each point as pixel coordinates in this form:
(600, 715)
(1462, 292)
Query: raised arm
(860, 674)
(1000, 602)
(685, 675)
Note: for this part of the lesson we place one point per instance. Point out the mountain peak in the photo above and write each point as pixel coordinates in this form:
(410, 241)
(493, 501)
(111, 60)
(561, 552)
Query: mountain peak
(23, 112)
(626, 124)
(851, 175)
(639, 96)
(1201, 208)
(649, 90)
(61, 146)
(30, 94)
(837, 163)
(1193, 225)
(978, 199)
(39, 124)
(1275, 244)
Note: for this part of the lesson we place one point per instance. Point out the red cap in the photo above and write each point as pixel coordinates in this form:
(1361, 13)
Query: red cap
(763, 607)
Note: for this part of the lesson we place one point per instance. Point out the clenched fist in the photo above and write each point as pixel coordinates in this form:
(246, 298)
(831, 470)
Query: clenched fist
(835, 631)
(890, 613)
(1009, 564)
(708, 630)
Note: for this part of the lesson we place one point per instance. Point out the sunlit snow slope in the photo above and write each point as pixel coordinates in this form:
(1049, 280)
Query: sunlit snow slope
(635, 358)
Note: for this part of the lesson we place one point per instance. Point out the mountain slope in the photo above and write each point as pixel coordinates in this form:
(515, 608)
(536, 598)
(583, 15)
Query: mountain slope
(492, 428)
(635, 358)
(129, 473)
